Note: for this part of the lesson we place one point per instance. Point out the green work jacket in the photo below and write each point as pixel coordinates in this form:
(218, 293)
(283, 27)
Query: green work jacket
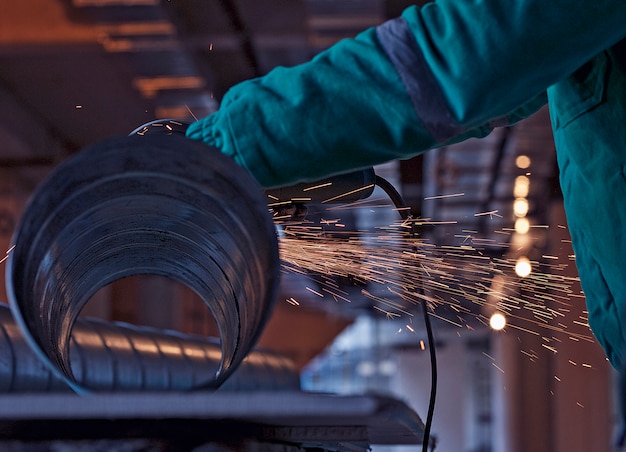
(442, 73)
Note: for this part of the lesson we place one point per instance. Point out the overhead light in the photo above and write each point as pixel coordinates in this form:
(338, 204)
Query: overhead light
(138, 28)
(497, 321)
(521, 187)
(523, 267)
(522, 225)
(150, 86)
(522, 161)
(520, 241)
(520, 207)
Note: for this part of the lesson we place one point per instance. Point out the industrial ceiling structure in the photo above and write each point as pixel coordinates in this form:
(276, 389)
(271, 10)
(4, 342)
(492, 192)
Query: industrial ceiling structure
(83, 70)
(73, 72)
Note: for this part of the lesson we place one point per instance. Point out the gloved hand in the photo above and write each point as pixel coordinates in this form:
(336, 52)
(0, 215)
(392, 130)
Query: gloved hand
(253, 127)
(213, 131)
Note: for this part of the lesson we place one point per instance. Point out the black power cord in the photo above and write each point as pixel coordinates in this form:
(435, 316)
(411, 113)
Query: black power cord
(404, 212)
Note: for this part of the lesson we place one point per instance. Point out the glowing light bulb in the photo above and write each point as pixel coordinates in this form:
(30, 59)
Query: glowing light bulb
(522, 225)
(523, 267)
(522, 161)
(497, 321)
(521, 187)
(520, 207)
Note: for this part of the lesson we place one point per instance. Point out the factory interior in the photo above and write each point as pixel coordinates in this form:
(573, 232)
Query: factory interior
(492, 245)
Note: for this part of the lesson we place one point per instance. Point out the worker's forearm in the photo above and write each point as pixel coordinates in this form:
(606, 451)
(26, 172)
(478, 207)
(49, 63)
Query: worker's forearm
(344, 109)
(488, 56)
(437, 75)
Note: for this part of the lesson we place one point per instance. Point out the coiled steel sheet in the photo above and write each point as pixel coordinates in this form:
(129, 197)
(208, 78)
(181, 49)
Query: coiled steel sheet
(161, 205)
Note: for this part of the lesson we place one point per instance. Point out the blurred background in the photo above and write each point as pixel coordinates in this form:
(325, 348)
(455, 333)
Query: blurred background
(74, 72)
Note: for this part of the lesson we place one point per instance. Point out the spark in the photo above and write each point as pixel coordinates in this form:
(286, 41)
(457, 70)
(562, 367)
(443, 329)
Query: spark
(335, 295)
(315, 292)
(398, 272)
(7, 254)
(552, 349)
(452, 195)
(316, 187)
(389, 315)
(335, 198)
(491, 213)
(191, 112)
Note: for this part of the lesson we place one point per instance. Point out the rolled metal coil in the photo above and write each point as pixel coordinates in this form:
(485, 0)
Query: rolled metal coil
(116, 356)
(161, 205)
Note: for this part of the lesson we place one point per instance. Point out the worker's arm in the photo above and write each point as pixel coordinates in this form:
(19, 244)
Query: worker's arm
(438, 74)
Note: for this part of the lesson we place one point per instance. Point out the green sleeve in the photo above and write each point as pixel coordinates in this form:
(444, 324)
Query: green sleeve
(439, 74)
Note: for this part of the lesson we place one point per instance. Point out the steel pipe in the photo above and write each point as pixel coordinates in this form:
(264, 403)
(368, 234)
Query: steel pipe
(116, 356)
(161, 205)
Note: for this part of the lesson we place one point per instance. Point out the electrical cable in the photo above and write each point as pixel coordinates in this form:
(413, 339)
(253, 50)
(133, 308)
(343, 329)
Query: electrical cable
(405, 214)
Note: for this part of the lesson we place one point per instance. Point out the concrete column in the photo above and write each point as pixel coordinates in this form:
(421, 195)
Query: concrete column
(552, 389)
(582, 405)
(521, 393)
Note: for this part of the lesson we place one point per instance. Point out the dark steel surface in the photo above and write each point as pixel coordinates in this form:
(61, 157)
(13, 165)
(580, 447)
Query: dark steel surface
(160, 205)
